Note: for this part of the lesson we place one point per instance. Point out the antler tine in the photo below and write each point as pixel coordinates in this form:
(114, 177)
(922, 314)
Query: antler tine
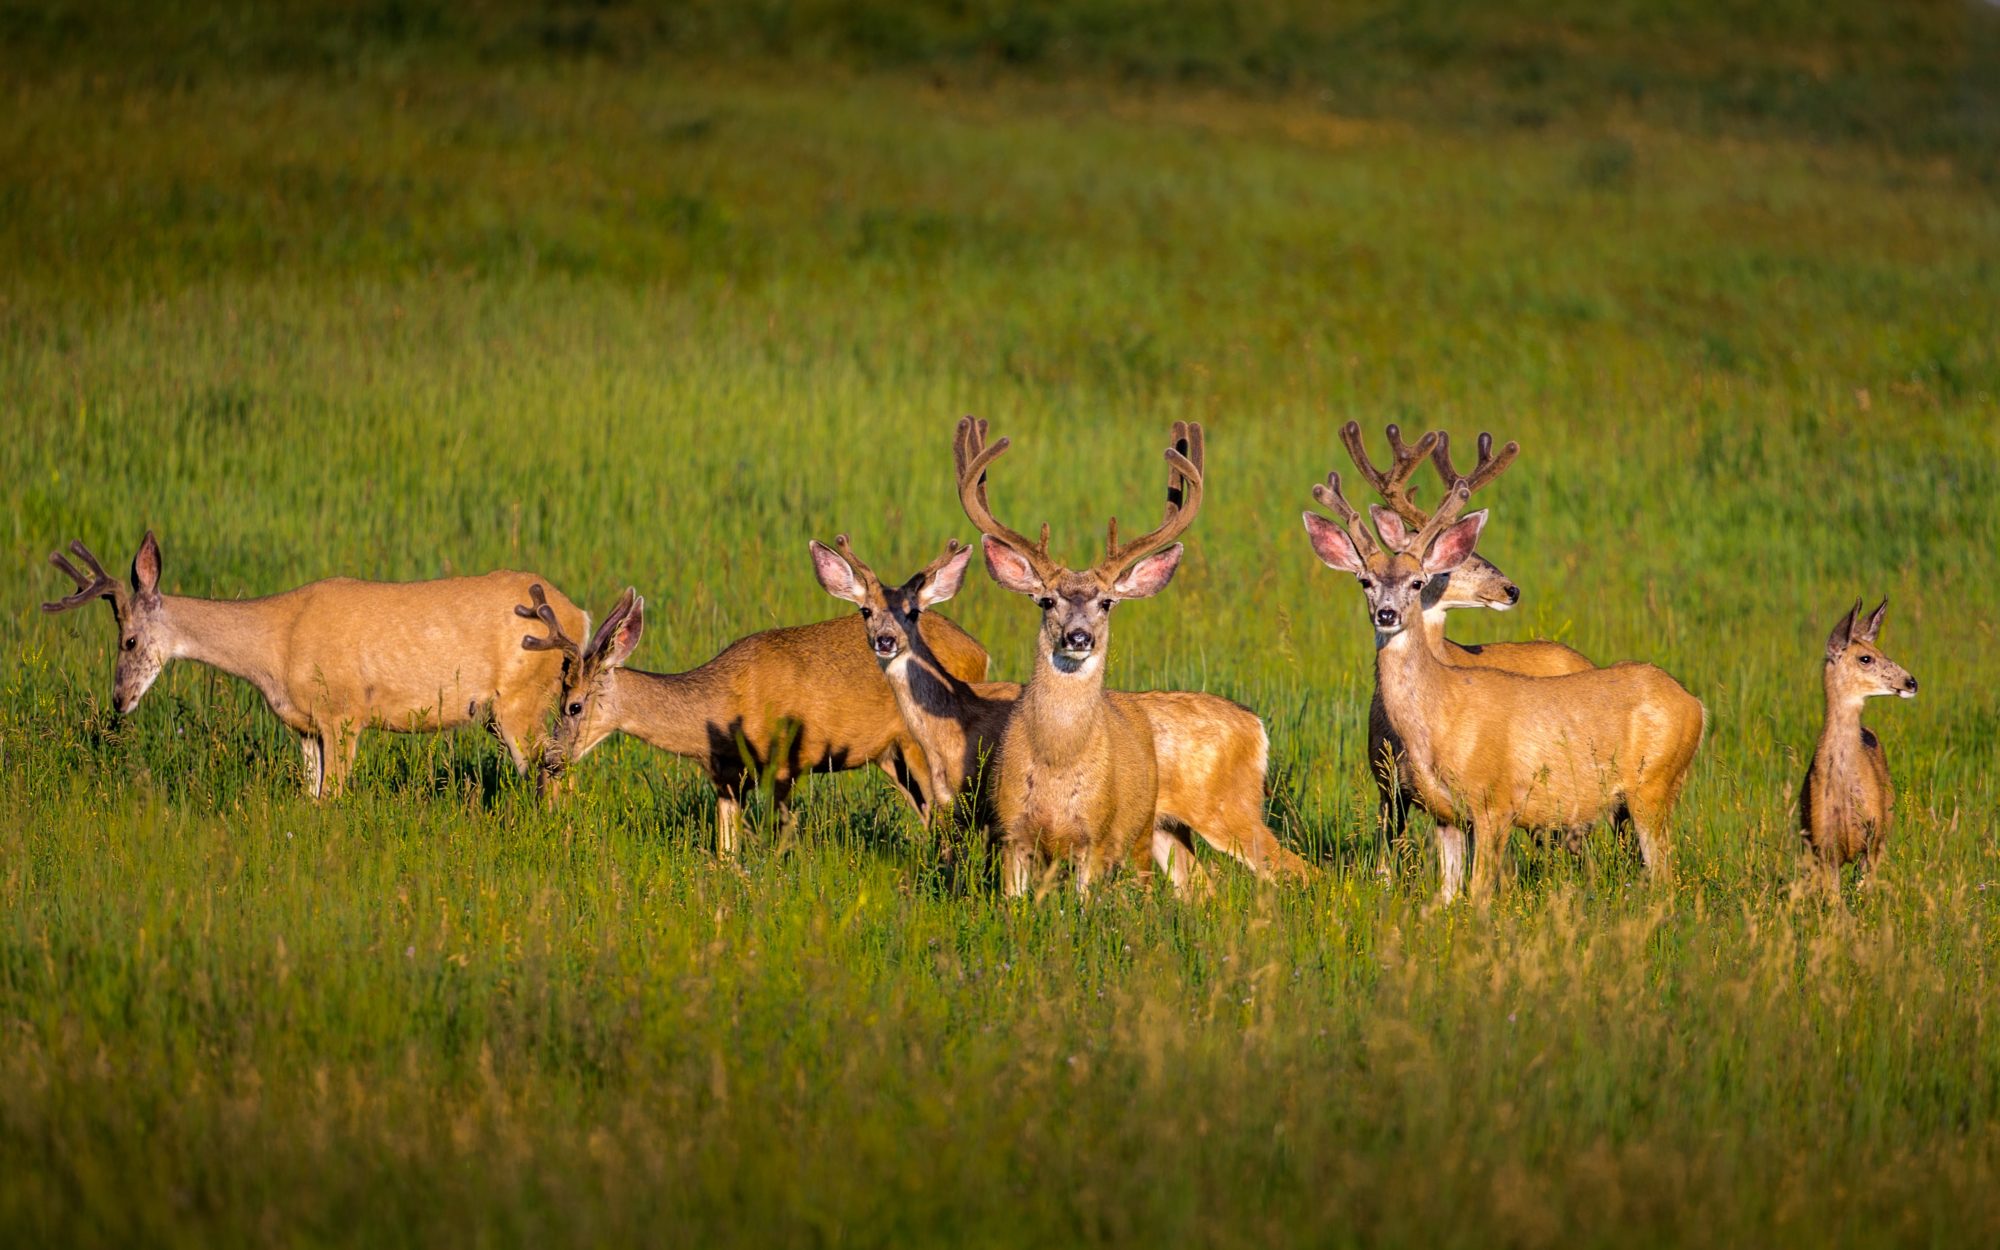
(951, 549)
(556, 640)
(1394, 485)
(973, 456)
(1185, 460)
(98, 585)
(854, 562)
(1489, 467)
(1329, 497)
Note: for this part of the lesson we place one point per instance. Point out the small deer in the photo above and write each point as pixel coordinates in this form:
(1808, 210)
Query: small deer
(1499, 750)
(1847, 803)
(1210, 752)
(1078, 765)
(776, 705)
(1477, 583)
(334, 657)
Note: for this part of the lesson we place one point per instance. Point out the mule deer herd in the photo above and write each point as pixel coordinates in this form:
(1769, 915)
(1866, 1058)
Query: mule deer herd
(1059, 773)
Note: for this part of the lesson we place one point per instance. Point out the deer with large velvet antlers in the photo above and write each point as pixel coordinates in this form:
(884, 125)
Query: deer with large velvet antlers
(1475, 583)
(773, 706)
(1078, 766)
(1210, 752)
(1493, 750)
(335, 657)
(1847, 802)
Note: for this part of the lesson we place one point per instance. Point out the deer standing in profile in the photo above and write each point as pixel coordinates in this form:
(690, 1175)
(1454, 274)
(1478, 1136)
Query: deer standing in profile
(335, 657)
(1495, 750)
(1847, 803)
(1476, 583)
(1210, 753)
(1078, 765)
(774, 706)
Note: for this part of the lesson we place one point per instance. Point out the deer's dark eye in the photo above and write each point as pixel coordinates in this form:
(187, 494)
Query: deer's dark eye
(913, 613)
(867, 612)
(576, 709)
(1045, 603)
(1106, 604)
(1367, 584)
(131, 644)
(1867, 659)
(1418, 584)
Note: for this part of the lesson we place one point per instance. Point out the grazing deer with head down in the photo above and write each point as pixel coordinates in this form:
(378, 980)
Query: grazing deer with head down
(1476, 583)
(1499, 750)
(338, 656)
(1210, 752)
(1078, 769)
(776, 705)
(1847, 803)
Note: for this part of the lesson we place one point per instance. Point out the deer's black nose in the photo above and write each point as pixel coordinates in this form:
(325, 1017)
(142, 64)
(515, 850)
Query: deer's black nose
(885, 645)
(1385, 617)
(1078, 640)
(1910, 684)
(1513, 593)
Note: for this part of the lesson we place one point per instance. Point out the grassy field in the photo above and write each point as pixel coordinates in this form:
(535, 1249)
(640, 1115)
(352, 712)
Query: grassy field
(388, 312)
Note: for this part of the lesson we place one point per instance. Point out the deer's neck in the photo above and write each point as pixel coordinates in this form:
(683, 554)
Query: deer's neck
(242, 637)
(680, 713)
(1063, 707)
(939, 709)
(1840, 738)
(1408, 676)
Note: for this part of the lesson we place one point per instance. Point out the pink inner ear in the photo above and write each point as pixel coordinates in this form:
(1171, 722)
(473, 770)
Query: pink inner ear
(1334, 548)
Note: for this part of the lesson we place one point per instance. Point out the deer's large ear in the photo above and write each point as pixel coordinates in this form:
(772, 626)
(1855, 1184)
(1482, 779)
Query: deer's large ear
(146, 571)
(1150, 576)
(1332, 545)
(1009, 567)
(835, 574)
(945, 581)
(614, 640)
(1395, 536)
(1873, 628)
(1843, 633)
(1451, 548)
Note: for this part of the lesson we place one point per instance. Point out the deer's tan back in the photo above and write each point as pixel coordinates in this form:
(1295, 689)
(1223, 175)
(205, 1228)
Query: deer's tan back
(1209, 748)
(821, 678)
(1554, 749)
(1532, 659)
(416, 654)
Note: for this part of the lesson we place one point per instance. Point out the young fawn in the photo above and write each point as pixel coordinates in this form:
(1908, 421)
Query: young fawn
(338, 656)
(1477, 583)
(1499, 750)
(776, 705)
(1847, 803)
(1210, 753)
(1078, 765)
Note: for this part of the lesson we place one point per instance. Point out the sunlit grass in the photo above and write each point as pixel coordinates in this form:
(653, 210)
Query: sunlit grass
(659, 328)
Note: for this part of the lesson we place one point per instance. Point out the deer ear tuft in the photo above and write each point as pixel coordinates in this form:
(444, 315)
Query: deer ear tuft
(146, 570)
(1150, 576)
(836, 575)
(1332, 545)
(1451, 548)
(945, 582)
(1009, 567)
(1843, 633)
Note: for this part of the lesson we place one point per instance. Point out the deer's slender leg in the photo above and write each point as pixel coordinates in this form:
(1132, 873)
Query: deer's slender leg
(1452, 849)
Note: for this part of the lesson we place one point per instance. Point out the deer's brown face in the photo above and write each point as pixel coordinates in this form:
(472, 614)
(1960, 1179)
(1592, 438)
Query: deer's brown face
(1857, 666)
(1478, 584)
(890, 616)
(586, 716)
(144, 647)
(1398, 585)
(1076, 606)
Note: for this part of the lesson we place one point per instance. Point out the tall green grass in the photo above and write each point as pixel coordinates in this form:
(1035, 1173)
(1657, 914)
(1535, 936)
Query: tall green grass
(659, 325)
